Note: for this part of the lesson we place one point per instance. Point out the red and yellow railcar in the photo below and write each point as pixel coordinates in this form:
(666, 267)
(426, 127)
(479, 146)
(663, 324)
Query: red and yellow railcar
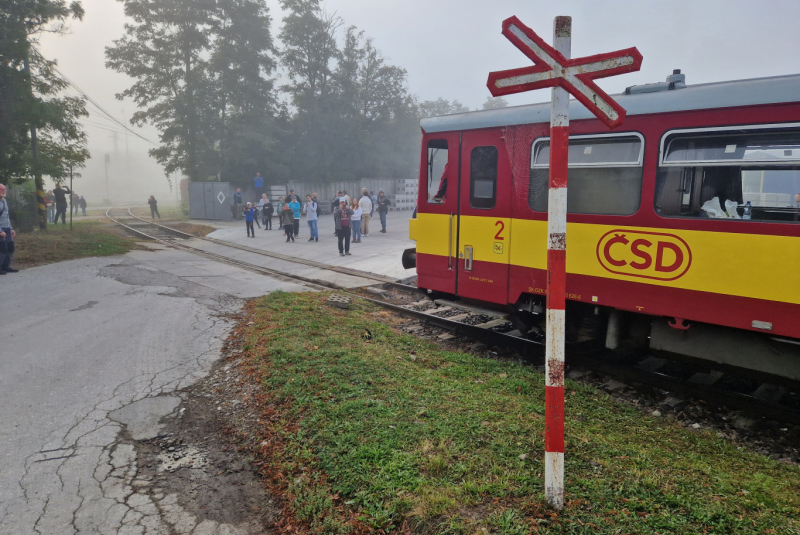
(683, 224)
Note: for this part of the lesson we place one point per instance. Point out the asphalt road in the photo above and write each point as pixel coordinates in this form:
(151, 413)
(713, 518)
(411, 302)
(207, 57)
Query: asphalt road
(92, 354)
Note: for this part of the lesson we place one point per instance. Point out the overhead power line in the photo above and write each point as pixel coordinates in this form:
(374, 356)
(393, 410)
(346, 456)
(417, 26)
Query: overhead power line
(91, 100)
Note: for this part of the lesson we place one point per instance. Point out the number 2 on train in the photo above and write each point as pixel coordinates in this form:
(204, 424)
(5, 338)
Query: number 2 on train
(499, 232)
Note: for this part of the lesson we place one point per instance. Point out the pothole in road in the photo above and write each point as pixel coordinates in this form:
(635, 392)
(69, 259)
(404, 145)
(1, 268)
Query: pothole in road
(183, 457)
(194, 457)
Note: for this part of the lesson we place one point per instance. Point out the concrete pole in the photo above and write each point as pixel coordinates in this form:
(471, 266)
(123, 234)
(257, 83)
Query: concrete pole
(556, 278)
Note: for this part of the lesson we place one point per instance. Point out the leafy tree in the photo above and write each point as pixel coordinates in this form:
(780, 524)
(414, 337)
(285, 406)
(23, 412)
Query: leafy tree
(29, 104)
(309, 54)
(202, 72)
(440, 106)
(165, 49)
(493, 103)
(242, 62)
(352, 115)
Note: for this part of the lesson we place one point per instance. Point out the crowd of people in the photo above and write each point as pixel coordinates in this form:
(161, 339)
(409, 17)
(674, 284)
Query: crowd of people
(58, 206)
(351, 216)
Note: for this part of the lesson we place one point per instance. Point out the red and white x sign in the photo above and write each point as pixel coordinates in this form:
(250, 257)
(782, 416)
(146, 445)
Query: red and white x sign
(552, 69)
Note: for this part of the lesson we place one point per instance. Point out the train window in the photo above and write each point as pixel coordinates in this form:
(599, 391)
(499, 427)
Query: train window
(483, 177)
(437, 163)
(605, 174)
(715, 173)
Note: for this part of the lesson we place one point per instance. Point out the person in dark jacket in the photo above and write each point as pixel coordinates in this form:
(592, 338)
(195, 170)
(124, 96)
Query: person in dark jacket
(82, 204)
(61, 203)
(383, 208)
(287, 222)
(341, 218)
(153, 207)
(266, 212)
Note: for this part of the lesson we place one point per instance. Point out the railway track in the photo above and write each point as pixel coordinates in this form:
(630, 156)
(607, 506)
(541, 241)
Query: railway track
(775, 399)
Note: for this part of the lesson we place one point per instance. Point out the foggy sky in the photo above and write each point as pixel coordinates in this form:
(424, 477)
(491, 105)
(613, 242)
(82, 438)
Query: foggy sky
(448, 48)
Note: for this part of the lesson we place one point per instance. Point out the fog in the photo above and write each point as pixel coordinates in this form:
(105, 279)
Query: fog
(448, 48)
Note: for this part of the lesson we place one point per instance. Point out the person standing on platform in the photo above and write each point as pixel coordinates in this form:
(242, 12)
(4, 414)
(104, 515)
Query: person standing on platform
(7, 235)
(341, 219)
(366, 212)
(237, 204)
(249, 214)
(61, 203)
(258, 182)
(383, 208)
(335, 205)
(266, 212)
(311, 217)
(153, 207)
(355, 219)
(295, 206)
(279, 210)
(287, 222)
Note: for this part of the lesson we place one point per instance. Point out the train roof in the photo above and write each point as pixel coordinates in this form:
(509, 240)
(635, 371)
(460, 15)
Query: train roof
(752, 92)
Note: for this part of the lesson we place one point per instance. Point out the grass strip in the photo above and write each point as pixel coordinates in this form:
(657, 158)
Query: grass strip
(59, 243)
(368, 429)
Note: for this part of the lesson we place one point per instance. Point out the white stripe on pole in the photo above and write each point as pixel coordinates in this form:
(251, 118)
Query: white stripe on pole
(554, 476)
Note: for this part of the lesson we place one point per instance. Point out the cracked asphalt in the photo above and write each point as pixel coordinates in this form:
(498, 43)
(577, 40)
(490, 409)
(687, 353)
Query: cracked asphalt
(93, 354)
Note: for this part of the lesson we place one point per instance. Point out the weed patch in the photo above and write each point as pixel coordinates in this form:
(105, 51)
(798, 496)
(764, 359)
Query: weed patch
(58, 243)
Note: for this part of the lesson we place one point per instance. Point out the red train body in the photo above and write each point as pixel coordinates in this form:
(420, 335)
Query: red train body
(655, 214)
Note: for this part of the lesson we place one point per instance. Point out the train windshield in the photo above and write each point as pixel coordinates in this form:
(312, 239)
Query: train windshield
(605, 174)
(436, 163)
(716, 173)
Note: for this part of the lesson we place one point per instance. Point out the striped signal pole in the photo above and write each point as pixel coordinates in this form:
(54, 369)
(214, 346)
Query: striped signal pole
(556, 277)
(554, 67)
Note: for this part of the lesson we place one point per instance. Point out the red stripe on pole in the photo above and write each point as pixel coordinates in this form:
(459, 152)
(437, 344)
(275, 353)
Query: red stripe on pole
(556, 279)
(554, 418)
(559, 156)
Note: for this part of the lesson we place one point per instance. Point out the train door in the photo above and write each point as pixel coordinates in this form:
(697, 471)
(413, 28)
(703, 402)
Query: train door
(484, 225)
(437, 213)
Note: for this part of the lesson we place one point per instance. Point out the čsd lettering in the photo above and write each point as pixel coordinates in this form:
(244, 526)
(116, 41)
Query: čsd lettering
(636, 253)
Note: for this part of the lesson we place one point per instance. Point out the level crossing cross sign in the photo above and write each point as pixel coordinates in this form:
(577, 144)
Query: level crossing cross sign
(554, 68)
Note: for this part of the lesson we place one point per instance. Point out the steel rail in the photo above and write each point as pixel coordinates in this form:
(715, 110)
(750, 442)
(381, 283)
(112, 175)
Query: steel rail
(279, 256)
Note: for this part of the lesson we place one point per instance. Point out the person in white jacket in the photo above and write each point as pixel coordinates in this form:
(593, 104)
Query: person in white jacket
(366, 209)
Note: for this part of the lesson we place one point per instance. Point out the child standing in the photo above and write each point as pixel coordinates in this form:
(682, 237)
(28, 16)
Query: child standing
(249, 214)
(287, 222)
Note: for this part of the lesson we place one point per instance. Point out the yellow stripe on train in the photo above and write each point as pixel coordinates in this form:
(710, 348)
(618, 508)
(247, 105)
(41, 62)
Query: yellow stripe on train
(747, 265)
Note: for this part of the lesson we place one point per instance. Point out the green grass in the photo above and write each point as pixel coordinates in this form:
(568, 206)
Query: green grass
(405, 435)
(59, 243)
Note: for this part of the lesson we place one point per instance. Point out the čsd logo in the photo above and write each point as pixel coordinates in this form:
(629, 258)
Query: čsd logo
(651, 255)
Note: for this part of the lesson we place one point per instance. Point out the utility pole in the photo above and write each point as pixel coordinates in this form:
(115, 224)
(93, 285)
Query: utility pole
(41, 207)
